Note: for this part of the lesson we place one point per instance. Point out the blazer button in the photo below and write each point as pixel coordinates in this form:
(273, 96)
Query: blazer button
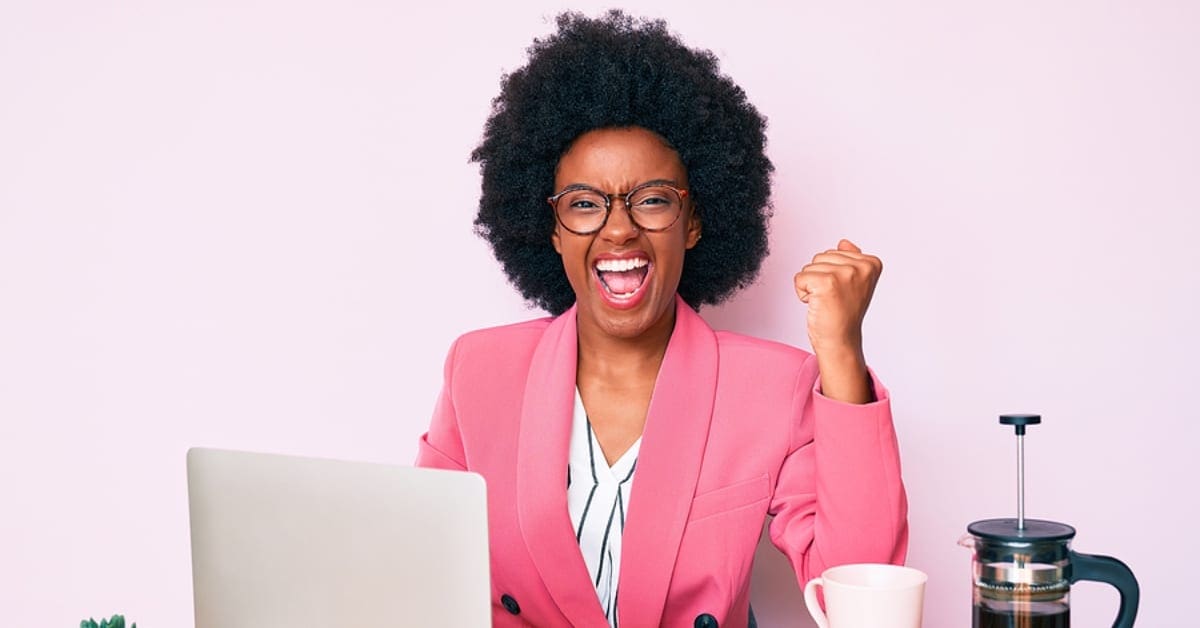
(705, 621)
(511, 605)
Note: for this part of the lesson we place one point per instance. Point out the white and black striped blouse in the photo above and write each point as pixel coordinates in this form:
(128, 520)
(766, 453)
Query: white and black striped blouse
(597, 498)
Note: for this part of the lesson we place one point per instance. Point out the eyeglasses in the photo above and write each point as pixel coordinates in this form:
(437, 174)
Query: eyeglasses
(584, 210)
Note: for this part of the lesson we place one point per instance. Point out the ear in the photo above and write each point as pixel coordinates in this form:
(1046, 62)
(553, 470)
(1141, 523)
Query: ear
(694, 227)
(556, 240)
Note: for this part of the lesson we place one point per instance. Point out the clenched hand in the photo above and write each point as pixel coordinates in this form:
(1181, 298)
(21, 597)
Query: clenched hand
(837, 286)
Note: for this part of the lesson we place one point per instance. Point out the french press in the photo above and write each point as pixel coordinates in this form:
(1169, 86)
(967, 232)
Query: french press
(1024, 568)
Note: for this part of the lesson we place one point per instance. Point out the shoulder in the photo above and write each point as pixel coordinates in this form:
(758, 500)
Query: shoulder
(501, 340)
(750, 350)
(758, 366)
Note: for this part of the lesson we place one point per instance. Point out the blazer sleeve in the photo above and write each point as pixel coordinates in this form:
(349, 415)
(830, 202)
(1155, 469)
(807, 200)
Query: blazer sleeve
(839, 497)
(441, 447)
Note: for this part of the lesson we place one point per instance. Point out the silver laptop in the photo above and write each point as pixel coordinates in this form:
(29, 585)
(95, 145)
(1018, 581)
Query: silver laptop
(288, 541)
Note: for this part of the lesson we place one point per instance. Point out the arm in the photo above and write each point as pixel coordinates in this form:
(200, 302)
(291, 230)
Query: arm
(441, 447)
(839, 497)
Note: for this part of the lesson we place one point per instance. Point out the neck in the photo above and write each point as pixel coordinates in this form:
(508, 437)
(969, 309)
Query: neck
(615, 359)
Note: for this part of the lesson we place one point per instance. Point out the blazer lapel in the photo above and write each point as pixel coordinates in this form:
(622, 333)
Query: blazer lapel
(673, 443)
(542, 447)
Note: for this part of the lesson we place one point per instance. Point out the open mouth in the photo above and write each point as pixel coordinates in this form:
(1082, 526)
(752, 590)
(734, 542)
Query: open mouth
(622, 278)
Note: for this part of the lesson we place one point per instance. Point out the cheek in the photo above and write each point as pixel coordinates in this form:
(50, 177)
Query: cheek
(673, 249)
(573, 250)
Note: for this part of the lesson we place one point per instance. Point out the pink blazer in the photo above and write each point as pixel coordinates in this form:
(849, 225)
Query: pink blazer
(736, 431)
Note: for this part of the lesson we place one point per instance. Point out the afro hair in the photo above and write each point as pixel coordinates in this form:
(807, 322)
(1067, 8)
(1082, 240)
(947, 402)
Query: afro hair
(617, 71)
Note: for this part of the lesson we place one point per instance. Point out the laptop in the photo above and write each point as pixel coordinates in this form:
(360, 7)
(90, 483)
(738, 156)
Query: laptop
(289, 541)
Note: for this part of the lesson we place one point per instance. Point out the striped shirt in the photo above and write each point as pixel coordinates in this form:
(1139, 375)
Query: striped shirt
(597, 498)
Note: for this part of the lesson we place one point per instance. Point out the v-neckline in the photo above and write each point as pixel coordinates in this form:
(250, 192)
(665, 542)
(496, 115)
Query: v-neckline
(618, 471)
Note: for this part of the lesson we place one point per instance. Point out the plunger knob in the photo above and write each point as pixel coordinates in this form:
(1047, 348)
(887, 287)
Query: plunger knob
(1019, 421)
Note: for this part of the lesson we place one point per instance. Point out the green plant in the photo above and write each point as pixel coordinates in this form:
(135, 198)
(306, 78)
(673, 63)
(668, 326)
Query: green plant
(116, 621)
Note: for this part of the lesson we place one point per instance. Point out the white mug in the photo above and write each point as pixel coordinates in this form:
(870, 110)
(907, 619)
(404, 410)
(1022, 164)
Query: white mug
(868, 595)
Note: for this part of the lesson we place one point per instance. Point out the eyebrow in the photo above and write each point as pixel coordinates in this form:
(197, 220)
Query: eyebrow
(577, 186)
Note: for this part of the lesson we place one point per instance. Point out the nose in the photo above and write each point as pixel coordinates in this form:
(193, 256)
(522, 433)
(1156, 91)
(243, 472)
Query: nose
(619, 228)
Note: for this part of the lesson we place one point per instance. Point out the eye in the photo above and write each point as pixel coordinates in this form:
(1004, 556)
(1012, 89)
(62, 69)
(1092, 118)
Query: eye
(655, 198)
(583, 202)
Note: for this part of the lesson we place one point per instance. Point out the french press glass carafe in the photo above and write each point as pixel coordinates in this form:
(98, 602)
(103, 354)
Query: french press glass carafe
(1024, 568)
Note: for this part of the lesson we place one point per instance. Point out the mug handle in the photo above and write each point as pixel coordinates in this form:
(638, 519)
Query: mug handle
(814, 607)
(1111, 571)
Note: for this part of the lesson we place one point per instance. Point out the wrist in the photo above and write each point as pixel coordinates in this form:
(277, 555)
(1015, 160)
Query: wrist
(844, 375)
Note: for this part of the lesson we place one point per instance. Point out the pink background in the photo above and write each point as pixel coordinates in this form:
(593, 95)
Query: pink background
(247, 225)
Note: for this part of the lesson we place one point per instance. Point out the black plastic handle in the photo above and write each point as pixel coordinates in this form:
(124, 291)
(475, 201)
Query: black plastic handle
(1112, 571)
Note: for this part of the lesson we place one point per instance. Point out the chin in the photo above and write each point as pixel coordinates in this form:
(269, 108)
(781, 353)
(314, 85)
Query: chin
(629, 324)
(624, 329)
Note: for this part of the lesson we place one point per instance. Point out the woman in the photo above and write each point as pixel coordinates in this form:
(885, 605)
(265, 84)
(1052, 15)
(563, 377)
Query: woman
(632, 453)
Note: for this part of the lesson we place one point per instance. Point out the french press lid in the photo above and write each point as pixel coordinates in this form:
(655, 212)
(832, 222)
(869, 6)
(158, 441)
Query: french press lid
(1009, 531)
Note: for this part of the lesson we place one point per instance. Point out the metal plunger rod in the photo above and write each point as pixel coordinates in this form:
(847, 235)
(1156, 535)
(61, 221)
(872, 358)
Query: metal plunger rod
(1019, 421)
(1020, 481)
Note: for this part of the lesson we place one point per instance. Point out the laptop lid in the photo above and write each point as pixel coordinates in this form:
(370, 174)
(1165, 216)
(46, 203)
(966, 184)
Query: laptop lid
(288, 541)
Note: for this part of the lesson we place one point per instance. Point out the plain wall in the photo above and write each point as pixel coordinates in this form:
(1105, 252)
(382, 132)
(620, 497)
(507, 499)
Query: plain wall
(248, 225)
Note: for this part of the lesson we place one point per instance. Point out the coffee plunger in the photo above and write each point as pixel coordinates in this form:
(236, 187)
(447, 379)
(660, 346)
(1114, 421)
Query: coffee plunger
(1024, 568)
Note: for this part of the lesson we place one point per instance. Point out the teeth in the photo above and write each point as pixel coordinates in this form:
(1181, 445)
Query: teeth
(620, 265)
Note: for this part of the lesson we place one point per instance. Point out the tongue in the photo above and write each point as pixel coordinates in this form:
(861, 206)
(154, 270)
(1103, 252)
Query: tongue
(624, 282)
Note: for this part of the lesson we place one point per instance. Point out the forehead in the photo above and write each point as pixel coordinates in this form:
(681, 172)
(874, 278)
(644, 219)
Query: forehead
(619, 158)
